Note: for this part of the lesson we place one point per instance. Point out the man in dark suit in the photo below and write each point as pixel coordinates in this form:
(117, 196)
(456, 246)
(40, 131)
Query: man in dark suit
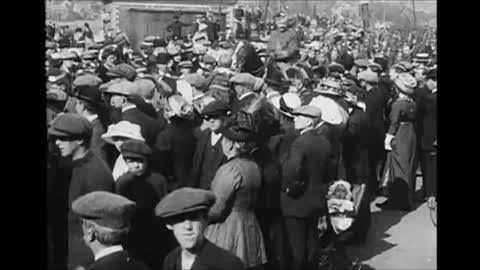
(208, 155)
(89, 104)
(376, 101)
(429, 118)
(73, 134)
(105, 223)
(120, 99)
(304, 185)
(185, 213)
(175, 28)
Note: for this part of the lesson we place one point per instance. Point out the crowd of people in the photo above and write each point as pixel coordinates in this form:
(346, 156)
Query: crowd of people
(258, 147)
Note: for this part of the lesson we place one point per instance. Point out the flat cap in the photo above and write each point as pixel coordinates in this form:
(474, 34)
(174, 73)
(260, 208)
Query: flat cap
(135, 149)
(375, 67)
(368, 76)
(123, 71)
(87, 79)
(431, 74)
(399, 67)
(335, 67)
(105, 209)
(88, 93)
(70, 125)
(195, 80)
(145, 86)
(56, 95)
(239, 127)
(216, 108)
(408, 66)
(405, 83)
(185, 64)
(361, 63)
(124, 88)
(184, 200)
(308, 111)
(245, 79)
(382, 61)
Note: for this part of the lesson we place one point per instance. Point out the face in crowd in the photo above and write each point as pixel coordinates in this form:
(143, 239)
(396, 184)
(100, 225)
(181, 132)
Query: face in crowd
(188, 229)
(136, 166)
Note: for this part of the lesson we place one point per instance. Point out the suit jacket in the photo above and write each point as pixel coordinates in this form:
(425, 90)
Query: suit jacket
(89, 173)
(204, 144)
(118, 261)
(149, 126)
(176, 146)
(98, 144)
(332, 134)
(309, 160)
(428, 113)
(376, 101)
(419, 95)
(210, 257)
(355, 146)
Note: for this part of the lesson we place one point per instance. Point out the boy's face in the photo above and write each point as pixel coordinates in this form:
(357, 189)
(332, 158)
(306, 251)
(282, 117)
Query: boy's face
(136, 166)
(188, 228)
(340, 192)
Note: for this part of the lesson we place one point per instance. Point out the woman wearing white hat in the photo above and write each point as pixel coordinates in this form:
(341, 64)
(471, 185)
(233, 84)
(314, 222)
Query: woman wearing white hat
(117, 134)
(201, 35)
(400, 172)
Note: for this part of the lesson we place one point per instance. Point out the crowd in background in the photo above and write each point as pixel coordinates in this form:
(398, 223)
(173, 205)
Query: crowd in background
(294, 124)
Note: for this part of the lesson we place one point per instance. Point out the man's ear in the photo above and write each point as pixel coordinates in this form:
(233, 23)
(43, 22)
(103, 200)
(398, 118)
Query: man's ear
(90, 235)
(170, 227)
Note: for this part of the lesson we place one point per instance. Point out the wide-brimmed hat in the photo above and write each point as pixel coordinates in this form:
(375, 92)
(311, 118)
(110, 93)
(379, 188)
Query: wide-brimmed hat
(332, 112)
(178, 106)
(405, 83)
(123, 129)
(286, 103)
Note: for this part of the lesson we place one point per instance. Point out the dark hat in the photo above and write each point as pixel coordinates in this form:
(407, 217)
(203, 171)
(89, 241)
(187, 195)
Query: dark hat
(431, 74)
(337, 68)
(216, 108)
(105, 209)
(239, 127)
(123, 71)
(135, 149)
(70, 125)
(375, 67)
(159, 43)
(89, 94)
(176, 16)
(55, 75)
(184, 200)
(162, 58)
(357, 91)
(308, 111)
(382, 61)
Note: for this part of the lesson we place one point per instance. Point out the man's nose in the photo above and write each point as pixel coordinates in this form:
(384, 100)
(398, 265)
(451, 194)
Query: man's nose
(187, 224)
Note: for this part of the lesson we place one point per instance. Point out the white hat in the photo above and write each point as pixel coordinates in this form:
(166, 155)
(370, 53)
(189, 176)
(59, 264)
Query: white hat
(125, 88)
(202, 26)
(287, 102)
(123, 129)
(185, 89)
(332, 112)
(178, 106)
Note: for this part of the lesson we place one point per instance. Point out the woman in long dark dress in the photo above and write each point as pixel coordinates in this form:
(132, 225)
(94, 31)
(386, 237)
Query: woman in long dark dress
(400, 173)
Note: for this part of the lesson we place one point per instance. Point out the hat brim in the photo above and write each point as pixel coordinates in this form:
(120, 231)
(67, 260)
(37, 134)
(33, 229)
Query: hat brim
(107, 137)
(52, 131)
(183, 211)
(134, 156)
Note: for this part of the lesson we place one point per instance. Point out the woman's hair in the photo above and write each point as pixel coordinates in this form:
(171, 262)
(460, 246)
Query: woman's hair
(107, 236)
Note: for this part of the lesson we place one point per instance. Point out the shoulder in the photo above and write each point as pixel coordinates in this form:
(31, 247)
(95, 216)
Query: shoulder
(223, 259)
(170, 259)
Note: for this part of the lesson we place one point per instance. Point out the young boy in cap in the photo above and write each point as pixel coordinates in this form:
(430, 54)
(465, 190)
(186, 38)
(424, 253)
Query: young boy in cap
(185, 213)
(106, 221)
(208, 155)
(146, 189)
(73, 135)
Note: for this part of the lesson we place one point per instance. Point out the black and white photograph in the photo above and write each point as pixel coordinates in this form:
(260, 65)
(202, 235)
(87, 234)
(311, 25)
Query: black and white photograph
(241, 134)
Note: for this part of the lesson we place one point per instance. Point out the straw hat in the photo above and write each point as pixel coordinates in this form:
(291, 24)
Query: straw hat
(405, 83)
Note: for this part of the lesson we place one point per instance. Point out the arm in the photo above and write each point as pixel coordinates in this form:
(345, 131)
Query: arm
(394, 124)
(226, 182)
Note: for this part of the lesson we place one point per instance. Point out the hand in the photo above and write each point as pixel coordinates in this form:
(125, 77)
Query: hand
(431, 202)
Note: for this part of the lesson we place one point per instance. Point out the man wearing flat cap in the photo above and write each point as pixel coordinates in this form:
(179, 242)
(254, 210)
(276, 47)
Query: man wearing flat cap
(121, 93)
(109, 59)
(208, 155)
(105, 219)
(90, 104)
(376, 101)
(185, 212)
(305, 178)
(146, 188)
(73, 134)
